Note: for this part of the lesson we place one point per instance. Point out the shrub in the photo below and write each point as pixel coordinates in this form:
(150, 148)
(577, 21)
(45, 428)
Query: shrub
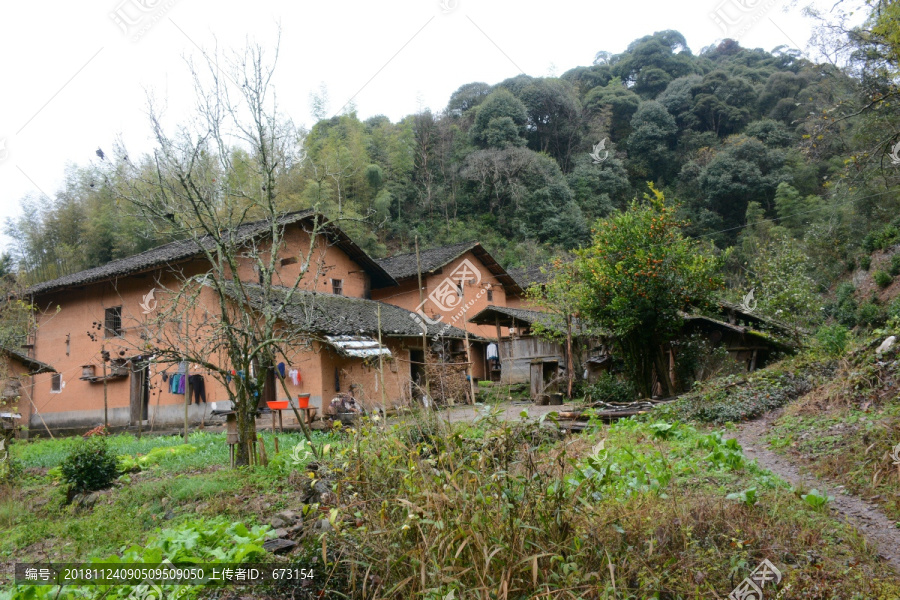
(833, 339)
(610, 389)
(865, 262)
(882, 278)
(895, 265)
(869, 314)
(90, 466)
(844, 307)
(894, 309)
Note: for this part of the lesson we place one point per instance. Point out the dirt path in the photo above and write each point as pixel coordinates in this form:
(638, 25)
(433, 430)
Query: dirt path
(866, 518)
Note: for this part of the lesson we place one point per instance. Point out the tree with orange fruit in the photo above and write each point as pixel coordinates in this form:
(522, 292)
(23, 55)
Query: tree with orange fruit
(638, 277)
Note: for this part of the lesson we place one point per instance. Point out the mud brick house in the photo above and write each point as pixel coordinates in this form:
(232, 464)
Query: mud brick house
(17, 387)
(458, 281)
(109, 309)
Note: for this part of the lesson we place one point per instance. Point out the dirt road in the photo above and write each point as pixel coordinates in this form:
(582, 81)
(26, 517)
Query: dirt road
(865, 517)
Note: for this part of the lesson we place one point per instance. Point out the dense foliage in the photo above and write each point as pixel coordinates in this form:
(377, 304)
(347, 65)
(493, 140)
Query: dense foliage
(90, 466)
(785, 164)
(640, 274)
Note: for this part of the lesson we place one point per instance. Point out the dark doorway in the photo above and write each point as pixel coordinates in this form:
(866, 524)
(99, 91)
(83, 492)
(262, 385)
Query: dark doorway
(417, 373)
(140, 390)
(269, 390)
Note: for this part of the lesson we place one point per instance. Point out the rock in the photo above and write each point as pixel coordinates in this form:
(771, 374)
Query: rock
(281, 533)
(886, 345)
(277, 523)
(323, 525)
(287, 515)
(319, 493)
(279, 546)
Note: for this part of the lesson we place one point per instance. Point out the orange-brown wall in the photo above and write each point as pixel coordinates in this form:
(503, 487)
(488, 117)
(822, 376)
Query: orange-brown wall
(16, 376)
(327, 262)
(475, 296)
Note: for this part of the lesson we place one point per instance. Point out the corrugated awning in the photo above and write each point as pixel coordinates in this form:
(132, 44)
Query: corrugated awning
(357, 346)
(9, 415)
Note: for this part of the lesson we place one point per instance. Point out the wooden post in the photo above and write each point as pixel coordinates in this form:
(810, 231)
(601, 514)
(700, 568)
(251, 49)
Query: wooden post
(381, 362)
(468, 347)
(140, 402)
(105, 403)
(187, 384)
(424, 324)
(187, 398)
(499, 355)
(570, 363)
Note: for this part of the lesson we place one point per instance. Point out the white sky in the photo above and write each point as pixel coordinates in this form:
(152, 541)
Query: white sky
(72, 80)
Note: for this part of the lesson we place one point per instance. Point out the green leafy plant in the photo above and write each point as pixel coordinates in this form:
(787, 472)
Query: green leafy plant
(748, 497)
(609, 388)
(833, 339)
(816, 499)
(865, 262)
(90, 466)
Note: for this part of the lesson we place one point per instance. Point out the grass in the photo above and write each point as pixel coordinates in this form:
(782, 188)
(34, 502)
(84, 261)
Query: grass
(174, 490)
(634, 510)
(846, 427)
(664, 507)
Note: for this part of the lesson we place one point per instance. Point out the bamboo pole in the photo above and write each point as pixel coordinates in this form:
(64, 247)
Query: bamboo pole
(499, 343)
(468, 346)
(105, 403)
(381, 362)
(187, 386)
(424, 324)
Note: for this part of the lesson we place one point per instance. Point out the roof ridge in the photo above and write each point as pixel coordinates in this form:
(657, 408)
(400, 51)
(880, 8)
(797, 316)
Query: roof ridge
(435, 249)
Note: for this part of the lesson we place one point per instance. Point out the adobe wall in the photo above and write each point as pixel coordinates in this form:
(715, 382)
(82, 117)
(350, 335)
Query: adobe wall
(475, 295)
(327, 262)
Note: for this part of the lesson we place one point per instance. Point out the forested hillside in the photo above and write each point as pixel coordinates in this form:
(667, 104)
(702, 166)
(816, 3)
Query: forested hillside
(783, 163)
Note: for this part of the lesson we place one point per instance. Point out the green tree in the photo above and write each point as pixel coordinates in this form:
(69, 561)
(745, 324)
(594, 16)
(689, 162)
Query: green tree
(500, 121)
(640, 274)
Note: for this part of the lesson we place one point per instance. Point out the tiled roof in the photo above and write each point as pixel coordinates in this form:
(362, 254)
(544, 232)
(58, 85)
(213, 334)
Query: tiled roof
(404, 266)
(34, 365)
(529, 276)
(181, 250)
(508, 316)
(342, 315)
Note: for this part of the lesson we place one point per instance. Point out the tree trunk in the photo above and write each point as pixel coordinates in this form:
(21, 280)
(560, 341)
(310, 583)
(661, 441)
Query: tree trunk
(570, 363)
(662, 370)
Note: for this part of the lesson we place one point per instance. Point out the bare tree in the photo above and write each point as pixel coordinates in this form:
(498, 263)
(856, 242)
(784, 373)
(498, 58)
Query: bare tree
(214, 183)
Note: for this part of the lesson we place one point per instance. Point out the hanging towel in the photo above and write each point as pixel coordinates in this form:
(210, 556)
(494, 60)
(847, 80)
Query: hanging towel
(181, 380)
(182, 367)
(294, 374)
(173, 383)
(281, 369)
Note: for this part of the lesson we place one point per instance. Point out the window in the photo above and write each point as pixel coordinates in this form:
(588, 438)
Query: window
(56, 383)
(291, 260)
(337, 379)
(490, 295)
(113, 322)
(337, 287)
